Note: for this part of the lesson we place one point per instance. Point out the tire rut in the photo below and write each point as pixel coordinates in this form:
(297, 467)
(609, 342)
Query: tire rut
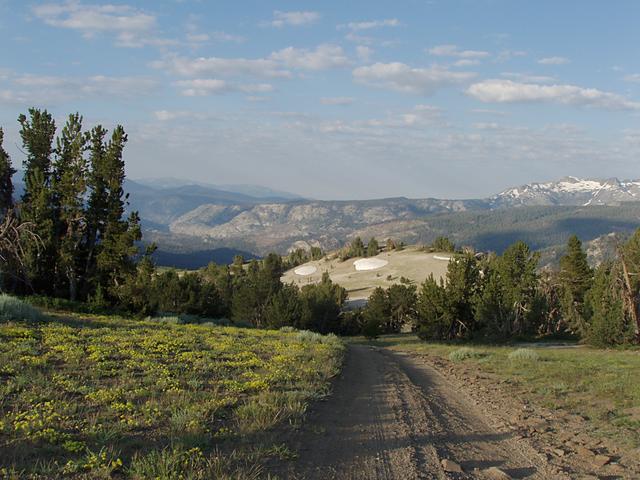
(392, 417)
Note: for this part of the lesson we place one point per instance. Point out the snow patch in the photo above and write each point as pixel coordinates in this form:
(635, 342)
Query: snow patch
(369, 264)
(305, 270)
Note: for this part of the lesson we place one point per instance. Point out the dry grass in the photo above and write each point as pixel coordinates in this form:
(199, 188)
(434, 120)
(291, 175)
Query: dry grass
(411, 263)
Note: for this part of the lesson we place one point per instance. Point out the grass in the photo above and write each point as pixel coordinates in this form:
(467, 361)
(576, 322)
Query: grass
(12, 308)
(100, 397)
(600, 385)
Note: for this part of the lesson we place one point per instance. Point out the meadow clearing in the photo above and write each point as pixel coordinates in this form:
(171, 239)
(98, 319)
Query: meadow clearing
(106, 397)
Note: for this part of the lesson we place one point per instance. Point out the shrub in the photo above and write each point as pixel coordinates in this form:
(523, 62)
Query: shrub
(313, 337)
(12, 308)
(524, 355)
(465, 353)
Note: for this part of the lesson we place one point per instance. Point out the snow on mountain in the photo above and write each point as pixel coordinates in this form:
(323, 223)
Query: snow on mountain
(569, 191)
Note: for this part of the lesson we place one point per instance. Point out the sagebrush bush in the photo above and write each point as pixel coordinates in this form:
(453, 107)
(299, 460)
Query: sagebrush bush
(12, 308)
(524, 355)
(465, 353)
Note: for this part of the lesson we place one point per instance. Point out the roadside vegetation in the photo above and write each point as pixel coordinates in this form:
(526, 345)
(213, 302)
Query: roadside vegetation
(599, 385)
(499, 298)
(92, 397)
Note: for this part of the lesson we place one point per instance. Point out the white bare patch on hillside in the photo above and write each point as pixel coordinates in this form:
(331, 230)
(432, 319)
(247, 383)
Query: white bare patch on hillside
(305, 270)
(369, 264)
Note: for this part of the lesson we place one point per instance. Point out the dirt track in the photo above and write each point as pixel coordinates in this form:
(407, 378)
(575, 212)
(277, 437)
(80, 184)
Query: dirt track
(393, 417)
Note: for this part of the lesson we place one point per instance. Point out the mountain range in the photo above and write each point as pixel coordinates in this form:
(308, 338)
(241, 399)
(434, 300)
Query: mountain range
(186, 218)
(261, 225)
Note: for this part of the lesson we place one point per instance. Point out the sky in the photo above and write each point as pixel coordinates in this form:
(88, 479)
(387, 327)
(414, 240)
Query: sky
(338, 100)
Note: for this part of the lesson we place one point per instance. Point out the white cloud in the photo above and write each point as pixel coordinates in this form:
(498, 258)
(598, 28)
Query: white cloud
(553, 61)
(527, 78)
(228, 37)
(506, 55)
(322, 58)
(296, 19)
(132, 27)
(216, 66)
(454, 51)
(211, 86)
(48, 90)
(507, 91)
(403, 78)
(466, 62)
(198, 37)
(368, 25)
(342, 101)
(166, 115)
(633, 78)
(364, 53)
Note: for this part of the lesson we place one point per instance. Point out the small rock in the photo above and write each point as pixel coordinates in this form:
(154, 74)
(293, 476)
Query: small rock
(494, 473)
(559, 452)
(450, 466)
(601, 460)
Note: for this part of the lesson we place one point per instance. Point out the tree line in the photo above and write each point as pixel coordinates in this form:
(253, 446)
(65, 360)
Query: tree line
(74, 239)
(68, 236)
(502, 297)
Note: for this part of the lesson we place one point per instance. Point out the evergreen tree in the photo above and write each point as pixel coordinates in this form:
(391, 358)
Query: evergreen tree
(402, 306)
(284, 308)
(575, 279)
(463, 278)
(505, 305)
(377, 311)
(608, 324)
(433, 321)
(629, 260)
(69, 187)
(97, 205)
(372, 248)
(6, 182)
(322, 305)
(114, 261)
(357, 248)
(37, 134)
(443, 244)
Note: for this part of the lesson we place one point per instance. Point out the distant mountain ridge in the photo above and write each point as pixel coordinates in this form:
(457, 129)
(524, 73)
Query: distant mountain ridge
(188, 217)
(569, 191)
(281, 225)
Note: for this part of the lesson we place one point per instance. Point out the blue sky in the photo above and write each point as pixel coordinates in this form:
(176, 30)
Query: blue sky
(339, 100)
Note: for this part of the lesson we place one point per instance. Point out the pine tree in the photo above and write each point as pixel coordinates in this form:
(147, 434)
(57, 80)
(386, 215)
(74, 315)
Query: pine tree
(463, 277)
(505, 305)
(96, 206)
(6, 182)
(402, 305)
(114, 261)
(378, 310)
(433, 320)
(372, 248)
(575, 278)
(69, 187)
(284, 308)
(608, 324)
(356, 248)
(37, 207)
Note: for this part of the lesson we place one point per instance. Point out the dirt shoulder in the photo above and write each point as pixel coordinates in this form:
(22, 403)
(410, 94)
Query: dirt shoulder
(395, 416)
(569, 442)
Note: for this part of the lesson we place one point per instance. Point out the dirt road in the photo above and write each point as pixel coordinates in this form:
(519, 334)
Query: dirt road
(393, 417)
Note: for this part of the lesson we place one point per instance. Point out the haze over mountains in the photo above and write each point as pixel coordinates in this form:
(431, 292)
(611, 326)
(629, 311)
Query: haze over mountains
(195, 222)
(205, 216)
